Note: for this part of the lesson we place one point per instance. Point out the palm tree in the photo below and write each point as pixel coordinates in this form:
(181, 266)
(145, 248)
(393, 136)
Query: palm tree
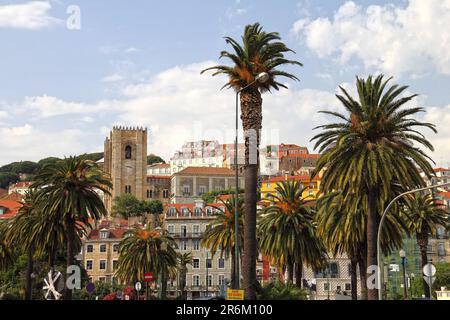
(424, 215)
(260, 52)
(70, 190)
(6, 254)
(146, 250)
(371, 146)
(219, 235)
(287, 231)
(183, 260)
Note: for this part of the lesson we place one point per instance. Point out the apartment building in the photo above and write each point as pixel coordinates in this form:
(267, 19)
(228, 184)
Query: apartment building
(191, 183)
(312, 185)
(186, 223)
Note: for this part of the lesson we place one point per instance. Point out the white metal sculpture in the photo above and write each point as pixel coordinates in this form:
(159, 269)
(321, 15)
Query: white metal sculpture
(50, 285)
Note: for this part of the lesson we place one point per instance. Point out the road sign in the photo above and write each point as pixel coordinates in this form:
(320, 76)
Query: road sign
(148, 277)
(90, 287)
(138, 286)
(233, 294)
(429, 270)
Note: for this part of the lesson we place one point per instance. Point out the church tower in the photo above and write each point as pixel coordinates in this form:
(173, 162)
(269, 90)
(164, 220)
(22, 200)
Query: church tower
(126, 162)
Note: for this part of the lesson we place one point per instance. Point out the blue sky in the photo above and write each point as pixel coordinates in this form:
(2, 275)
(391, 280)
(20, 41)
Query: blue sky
(137, 63)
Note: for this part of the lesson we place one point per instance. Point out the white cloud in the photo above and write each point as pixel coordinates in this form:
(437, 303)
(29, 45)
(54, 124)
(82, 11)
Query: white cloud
(131, 50)
(412, 39)
(112, 78)
(29, 15)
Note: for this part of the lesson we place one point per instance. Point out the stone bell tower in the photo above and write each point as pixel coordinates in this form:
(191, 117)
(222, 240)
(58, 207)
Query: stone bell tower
(126, 162)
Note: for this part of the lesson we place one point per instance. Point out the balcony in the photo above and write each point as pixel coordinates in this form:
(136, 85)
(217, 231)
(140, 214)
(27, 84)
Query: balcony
(186, 235)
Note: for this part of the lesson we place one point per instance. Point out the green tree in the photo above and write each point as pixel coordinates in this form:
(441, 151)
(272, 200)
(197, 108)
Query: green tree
(47, 161)
(6, 254)
(144, 251)
(152, 159)
(127, 205)
(372, 145)
(211, 196)
(28, 167)
(424, 215)
(155, 208)
(184, 259)
(260, 52)
(219, 235)
(282, 291)
(6, 178)
(69, 190)
(287, 231)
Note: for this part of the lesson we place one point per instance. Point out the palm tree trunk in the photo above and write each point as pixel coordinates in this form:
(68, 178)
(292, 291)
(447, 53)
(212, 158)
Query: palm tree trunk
(298, 274)
(422, 241)
(362, 262)
(354, 278)
(372, 230)
(70, 223)
(233, 269)
(183, 283)
(29, 280)
(251, 116)
(290, 272)
(163, 285)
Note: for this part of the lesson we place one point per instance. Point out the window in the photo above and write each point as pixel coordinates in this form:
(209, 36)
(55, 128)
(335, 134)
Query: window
(116, 247)
(198, 212)
(171, 228)
(104, 234)
(186, 190)
(331, 271)
(196, 244)
(128, 152)
(202, 190)
(127, 189)
(208, 263)
(165, 193)
(102, 264)
(195, 280)
(210, 280)
(209, 211)
(221, 280)
(103, 248)
(171, 212)
(349, 269)
(149, 194)
(221, 263)
(185, 212)
(196, 263)
(326, 287)
(115, 262)
(196, 229)
(348, 287)
(89, 265)
(101, 279)
(184, 230)
(183, 245)
(89, 248)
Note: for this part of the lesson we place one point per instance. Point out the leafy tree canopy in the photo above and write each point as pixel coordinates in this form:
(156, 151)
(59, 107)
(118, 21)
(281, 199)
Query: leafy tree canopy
(6, 178)
(127, 205)
(212, 195)
(29, 167)
(151, 159)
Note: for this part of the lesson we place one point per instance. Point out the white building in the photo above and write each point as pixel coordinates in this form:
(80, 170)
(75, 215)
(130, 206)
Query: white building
(20, 187)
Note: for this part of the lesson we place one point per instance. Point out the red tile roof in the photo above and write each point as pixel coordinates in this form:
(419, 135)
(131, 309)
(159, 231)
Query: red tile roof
(445, 195)
(441, 169)
(21, 184)
(116, 233)
(15, 196)
(302, 155)
(213, 171)
(158, 165)
(12, 208)
(3, 192)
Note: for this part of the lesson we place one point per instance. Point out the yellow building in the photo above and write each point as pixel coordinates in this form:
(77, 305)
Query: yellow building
(311, 185)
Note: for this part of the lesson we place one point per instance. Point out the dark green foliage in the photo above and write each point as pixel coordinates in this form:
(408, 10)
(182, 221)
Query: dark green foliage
(210, 197)
(6, 178)
(127, 205)
(21, 167)
(280, 291)
(151, 159)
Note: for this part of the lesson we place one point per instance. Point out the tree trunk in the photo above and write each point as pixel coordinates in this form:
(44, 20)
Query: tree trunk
(299, 274)
(354, 278)
(422, 241)
(29, 280)
(183, 283)
(70, 223)
(163, 285)
(233, 270)
(362, 262)
(372, 230)
(251, 116)
(290, 272)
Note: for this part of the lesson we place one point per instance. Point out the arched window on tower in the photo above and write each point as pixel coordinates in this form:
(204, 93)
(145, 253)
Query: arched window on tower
(128, 152)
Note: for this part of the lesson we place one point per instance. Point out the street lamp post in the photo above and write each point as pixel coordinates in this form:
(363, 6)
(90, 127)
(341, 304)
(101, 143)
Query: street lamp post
(262, 78)
(411, 281)
(380, 226)
(405, 284)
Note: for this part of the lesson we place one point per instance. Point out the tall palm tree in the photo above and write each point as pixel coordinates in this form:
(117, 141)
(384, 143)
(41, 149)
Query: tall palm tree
(6, 254)
(70, 190)
(260, 52)
(219, 235)
(146, 250)
(287, 230)
(184, 259)
(372, 145)
(424, 215)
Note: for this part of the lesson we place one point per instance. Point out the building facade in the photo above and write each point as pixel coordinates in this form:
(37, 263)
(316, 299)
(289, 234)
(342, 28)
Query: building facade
(186, 223)
(125, 160)
(191, 183)
(310, 193)
(20, 187)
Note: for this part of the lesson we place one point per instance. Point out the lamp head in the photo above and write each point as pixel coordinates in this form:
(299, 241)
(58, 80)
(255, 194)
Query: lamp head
(402, 253)
(262, 77)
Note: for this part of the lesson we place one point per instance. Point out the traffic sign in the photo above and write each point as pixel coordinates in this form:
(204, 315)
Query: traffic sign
(138, 286)
(235, 294)
(148, 277)
(429, 270)
(90, 287)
